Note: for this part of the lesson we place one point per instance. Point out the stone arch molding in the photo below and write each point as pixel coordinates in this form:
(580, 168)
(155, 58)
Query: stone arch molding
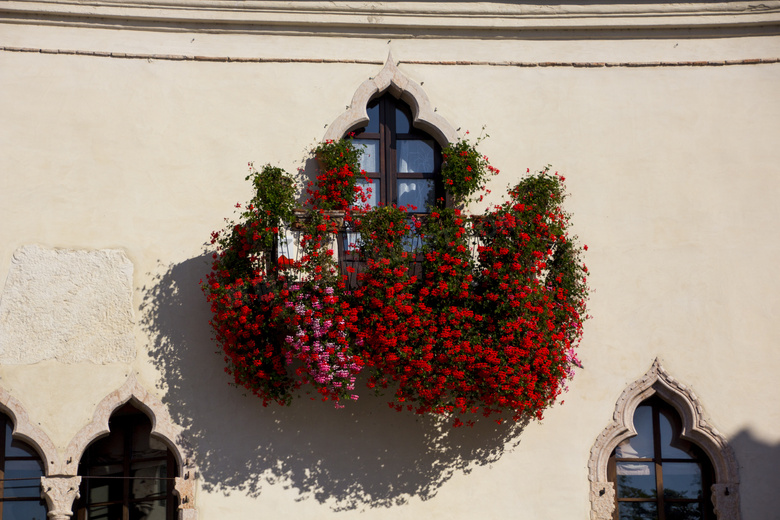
(725, 490)
(163, 428)
(390, 78)
(29, 432)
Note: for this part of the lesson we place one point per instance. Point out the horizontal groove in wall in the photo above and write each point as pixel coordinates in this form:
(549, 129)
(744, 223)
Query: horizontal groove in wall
(233, 59)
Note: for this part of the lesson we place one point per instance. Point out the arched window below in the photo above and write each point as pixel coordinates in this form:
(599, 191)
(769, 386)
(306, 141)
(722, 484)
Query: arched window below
(128, 475)
(20, 478)
(657, 474)
(402, 163)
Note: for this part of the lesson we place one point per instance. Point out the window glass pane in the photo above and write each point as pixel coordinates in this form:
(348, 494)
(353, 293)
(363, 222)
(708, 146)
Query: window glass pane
(373, 196)
(351, 240)
(402, 123)
(415, 156)
(636, 480)
(26, 510)
(682, 480)
(373, 119)
(22, 469)
(682, 511)
(415, 192)
(641, 446)
(288, 247)
(637, 511)
(152, 510)
(105, 490)
(667, 450)
(111, 512)
(148, 479)
(14, 448)
(369, 161)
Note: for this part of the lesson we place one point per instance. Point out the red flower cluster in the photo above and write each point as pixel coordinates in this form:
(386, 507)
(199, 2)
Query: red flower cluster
(456, 315)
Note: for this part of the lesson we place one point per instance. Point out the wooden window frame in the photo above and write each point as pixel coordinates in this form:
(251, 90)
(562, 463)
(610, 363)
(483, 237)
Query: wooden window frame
(6, 421)
(123, 425)
(388, 138)
(659, 406)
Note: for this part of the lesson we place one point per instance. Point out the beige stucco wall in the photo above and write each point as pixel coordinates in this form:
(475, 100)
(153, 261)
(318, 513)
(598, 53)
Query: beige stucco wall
(674, 178)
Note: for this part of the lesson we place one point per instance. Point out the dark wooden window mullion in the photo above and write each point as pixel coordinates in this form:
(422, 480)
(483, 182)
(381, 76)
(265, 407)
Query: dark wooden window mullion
(128, 444)
(387, 124)
(659, 480)
(2, 467)
(170, 504)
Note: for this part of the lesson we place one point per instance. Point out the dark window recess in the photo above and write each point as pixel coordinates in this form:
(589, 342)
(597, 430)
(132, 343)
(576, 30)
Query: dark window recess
(21, 470)
(128, 475)
(657, 474)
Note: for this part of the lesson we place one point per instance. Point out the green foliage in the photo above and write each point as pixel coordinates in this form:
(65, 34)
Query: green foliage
(465, 170)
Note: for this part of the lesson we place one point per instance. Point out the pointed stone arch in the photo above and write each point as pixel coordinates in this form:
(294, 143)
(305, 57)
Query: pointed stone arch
(695, 428)
(391, 79)
(163, 428)
(29, 432)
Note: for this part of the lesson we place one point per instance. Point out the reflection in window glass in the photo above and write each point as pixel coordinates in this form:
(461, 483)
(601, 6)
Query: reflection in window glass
(23, 478)
(402, 123)
(636, 480)
(638, 510)
(682, 480)
(141, 467)
(415, 156)
(647, 463)
(677, 511)
(373, 119)
(667, 450)
(24, 510)
(22, 469)
(416, 194)
(640, 446)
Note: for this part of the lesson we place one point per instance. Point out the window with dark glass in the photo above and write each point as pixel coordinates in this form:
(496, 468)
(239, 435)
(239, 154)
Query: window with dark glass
(657, 474)
(128, 475)
(402, 163)
(20, 480)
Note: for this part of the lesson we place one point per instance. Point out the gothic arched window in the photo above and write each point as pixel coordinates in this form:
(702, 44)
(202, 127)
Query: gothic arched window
(657, 474)
(402, 163)
(21, 470)
(128, 475)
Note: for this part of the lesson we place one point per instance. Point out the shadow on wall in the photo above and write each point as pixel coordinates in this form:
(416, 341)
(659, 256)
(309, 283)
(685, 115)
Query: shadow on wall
(758, 475)
(365, 455)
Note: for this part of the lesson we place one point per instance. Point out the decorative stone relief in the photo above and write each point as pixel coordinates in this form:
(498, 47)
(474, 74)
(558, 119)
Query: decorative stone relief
(67, 305)
(163, 428)
(695, 428)
(400, 86)
(27, 431)
(60, 492)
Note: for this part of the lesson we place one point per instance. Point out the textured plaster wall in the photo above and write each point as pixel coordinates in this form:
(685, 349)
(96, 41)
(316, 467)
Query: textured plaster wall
(673, 174)
(67, 305)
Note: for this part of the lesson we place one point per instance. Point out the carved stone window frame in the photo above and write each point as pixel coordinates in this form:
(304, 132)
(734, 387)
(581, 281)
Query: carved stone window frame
(391, 79)
(163, 429)
(695, 428)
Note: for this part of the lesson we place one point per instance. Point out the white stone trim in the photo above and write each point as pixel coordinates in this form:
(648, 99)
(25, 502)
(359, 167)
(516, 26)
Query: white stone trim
(391, 79)
(29, 432)
(163, 428)
(345, 18)
(60, 492)
(695, 428)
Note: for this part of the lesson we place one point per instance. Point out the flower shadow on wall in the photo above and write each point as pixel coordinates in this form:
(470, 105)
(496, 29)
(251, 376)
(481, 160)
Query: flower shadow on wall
(363, 456)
